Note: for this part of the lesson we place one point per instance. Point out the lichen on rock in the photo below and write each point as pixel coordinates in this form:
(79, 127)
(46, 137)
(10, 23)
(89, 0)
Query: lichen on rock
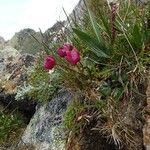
(44, 130)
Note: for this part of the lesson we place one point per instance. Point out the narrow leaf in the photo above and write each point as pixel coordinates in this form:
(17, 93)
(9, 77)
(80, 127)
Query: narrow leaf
(96, 47)
(94, 25)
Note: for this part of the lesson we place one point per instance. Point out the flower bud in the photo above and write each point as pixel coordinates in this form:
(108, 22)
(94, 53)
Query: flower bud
(49, 63)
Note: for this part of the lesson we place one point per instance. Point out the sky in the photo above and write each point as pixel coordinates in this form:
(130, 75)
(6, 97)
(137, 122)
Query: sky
(20, 14)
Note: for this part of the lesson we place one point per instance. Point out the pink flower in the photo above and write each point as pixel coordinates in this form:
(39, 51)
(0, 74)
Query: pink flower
(49, 62)
(62, 50)
(67, 46)
(73, 56)
(70, 53)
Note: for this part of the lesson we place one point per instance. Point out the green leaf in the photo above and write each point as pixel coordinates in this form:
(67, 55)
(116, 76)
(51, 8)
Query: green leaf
(105, 89)
(105, 23)
(96, 47)
(94, 25)
(136, 36)
(118, 93)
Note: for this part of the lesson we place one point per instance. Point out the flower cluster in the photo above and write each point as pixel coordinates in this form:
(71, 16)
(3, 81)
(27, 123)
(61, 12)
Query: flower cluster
(68, 52)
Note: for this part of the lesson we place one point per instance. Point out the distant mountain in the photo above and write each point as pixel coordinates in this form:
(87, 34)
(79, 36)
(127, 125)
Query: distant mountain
(24, 42)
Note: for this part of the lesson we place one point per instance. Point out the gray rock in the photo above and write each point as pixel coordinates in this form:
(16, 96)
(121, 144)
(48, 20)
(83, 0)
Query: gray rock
(2, 42)
(44, 131)
(13, 68)
(24, 42)
(13, 74)
(56, 27)
(78, 12)
(6, 55)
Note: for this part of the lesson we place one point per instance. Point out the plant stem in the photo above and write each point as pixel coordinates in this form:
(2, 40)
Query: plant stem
(63, 66)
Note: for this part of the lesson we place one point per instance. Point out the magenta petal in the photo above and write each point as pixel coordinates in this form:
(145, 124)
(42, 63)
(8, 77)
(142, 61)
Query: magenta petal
(61, 52)
(68, 56)
(67, 46)
(73, 57)
(49, 62)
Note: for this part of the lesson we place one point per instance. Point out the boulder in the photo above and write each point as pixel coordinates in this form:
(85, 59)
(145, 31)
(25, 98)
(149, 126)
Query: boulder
(2, 42)
(13, 74)
(13, 68)
(25, 43)
(8, 56)
(45, 131)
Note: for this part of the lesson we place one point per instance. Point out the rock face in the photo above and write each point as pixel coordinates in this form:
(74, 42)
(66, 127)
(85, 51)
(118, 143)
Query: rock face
(2, 42)
(78, 11)
(24, 42)
(13, 68)
(13, 72)
(44, 131)
(56, 27)
(7, 56)
(53, 34)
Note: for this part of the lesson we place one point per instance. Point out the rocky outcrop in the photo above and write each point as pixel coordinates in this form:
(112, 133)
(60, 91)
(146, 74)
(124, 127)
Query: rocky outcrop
(44, 131)
(56, 27)
(25, 43)
(13, 68)
(13, 74)
(7, 56)
(78, 12)
(2, 42)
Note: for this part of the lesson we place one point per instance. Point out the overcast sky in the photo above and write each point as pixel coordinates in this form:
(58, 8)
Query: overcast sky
(19, 14)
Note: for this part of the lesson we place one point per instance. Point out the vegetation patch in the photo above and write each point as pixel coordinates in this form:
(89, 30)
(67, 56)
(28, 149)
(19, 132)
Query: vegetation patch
(11, 128)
